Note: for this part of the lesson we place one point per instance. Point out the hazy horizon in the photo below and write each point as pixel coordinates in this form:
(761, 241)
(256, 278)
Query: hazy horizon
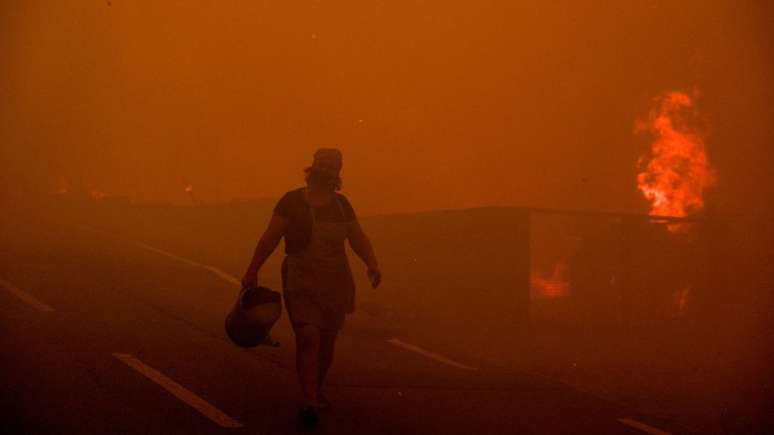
(434, 105)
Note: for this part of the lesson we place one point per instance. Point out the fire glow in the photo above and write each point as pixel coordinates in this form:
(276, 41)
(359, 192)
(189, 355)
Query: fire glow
(553, 286)
(97, 194)
(674, 176)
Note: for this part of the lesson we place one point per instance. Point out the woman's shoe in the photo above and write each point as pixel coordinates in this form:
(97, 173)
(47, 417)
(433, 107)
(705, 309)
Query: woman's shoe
(308, 416)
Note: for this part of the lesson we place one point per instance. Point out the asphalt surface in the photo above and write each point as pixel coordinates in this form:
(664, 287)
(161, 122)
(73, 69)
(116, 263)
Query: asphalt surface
(78, 308)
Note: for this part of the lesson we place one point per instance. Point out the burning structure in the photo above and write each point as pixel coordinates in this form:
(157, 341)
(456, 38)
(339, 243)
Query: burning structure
(630, 269)
(674, 176)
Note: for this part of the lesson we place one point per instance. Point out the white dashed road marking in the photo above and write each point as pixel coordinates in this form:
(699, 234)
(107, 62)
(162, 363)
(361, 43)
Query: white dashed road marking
(26, 297)
(231, 279)
(642, 426)
(191, 399)
(428, 354)
(219, 273)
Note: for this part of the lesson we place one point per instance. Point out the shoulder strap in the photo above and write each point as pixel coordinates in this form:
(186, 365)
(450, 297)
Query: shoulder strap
(309, 205)
(341, 207)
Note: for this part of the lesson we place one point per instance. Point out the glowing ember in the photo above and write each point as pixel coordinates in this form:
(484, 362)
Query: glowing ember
(63, 187)
(97, 195)
(549, 287)
(680, 299)
(676, 173)
(190, 192)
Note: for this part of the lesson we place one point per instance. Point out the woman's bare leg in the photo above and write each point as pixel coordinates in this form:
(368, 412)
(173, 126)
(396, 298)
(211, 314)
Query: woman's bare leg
(327, 344)
(307, 360)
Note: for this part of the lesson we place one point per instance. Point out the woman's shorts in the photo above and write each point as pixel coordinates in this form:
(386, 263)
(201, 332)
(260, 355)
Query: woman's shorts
(306, 306)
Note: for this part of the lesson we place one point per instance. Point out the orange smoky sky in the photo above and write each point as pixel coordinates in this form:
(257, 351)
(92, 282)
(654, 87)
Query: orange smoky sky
(435, 104)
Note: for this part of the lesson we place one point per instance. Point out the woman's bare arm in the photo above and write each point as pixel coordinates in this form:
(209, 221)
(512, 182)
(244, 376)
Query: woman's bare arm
(361, 244)
(266, 245)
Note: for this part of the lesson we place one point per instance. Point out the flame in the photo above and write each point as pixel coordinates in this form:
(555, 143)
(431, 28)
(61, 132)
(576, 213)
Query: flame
(680, 299)
(63, 186)
(676, 173)
(190, 192)
(550, 287)
(97, 195)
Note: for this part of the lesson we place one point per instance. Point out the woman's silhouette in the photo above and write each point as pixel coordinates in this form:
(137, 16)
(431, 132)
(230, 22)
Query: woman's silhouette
(317, 282)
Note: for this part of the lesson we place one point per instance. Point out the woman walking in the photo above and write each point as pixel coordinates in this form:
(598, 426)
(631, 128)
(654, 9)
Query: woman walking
(316, 278)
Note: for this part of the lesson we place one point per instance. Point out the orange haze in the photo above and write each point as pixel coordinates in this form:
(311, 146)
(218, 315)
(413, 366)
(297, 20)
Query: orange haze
(435, 104)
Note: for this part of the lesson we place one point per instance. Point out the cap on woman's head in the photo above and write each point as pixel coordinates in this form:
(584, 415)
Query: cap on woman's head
(329, 158)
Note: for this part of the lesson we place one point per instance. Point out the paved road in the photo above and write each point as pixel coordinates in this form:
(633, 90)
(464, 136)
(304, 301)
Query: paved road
(103, 336)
